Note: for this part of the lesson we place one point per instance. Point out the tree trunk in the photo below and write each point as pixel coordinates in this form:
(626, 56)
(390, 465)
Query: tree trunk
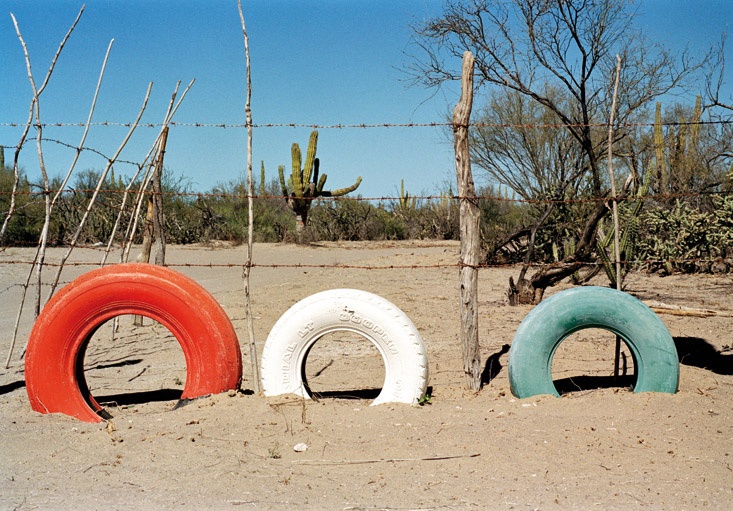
(531, 291)
(470, 216)
(523, 291)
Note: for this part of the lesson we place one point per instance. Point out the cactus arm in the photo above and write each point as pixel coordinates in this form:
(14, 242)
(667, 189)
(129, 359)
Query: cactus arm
(296, 174)
(348, 189)
(262, 178)
(316, 184)
(695, 126)
(310, 158)
(320, 185)
(281, 173)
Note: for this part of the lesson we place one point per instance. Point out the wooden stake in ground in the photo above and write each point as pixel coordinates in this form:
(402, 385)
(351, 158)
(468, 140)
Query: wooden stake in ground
(158, 218)
(469, 226)
(154, 221)
(616, 235)
(250, 228)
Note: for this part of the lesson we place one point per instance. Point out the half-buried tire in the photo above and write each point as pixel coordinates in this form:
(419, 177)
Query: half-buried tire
(553, 320)
(346, 310)
(54, 366)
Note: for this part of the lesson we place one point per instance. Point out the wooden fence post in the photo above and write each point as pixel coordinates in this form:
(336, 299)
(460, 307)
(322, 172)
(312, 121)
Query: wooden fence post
(470, 216)
(154, 220)
(158, 217)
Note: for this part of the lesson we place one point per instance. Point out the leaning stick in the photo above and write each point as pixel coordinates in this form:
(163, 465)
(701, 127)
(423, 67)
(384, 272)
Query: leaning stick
(93, 198)
(616, 235)
(80, 147)
(132, 224)
(34, 113)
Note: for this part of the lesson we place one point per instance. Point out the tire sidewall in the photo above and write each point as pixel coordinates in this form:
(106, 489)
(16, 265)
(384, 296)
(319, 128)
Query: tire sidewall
(57, 344)
(553, 320)
(346, 310)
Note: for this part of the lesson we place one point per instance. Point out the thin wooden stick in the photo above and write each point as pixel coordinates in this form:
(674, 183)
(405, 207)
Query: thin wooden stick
(384, 460)
(616, 236)
(95, 194)
(132, 224)
(146, 180)
(34, 113)
(20, 308)
(120, 212)
(80, 147)
(250, 229)
(681, 310)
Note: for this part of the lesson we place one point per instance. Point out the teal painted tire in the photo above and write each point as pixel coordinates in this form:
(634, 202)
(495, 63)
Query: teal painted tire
(553, 320)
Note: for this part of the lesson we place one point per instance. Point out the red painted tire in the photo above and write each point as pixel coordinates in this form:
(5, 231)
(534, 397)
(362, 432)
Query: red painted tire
(54, 365)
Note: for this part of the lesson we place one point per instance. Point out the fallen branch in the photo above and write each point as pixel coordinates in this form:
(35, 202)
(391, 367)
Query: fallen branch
(384, 460)
(681, 310)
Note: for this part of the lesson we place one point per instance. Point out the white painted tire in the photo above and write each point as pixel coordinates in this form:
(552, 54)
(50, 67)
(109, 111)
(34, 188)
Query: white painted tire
(350, 310)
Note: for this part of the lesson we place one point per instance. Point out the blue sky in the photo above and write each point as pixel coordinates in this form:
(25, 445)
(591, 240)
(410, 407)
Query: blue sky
(319, 62)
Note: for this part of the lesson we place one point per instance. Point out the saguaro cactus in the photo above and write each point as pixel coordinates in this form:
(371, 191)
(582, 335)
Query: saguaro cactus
(304, 183)
(407, 202)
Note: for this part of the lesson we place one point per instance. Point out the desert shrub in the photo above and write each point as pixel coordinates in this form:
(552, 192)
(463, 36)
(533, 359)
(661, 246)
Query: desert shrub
(346, 220)
(72, 205)
(223, 214)
(722, 232)
(685, 239)
(25, 226)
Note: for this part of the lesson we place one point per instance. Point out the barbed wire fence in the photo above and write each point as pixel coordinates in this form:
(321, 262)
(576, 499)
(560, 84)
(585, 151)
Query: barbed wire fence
(41, 196)
(36, 197)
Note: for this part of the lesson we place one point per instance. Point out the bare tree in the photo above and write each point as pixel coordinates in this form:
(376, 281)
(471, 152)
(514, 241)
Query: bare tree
(560, 54)
(720, 109)
(715, 78)
(536, 163)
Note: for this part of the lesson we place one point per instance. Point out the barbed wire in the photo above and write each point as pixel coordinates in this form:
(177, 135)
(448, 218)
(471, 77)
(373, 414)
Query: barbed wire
(39, 193)
(386, 198)
(83, 149)
(370, 267)
(364, 125)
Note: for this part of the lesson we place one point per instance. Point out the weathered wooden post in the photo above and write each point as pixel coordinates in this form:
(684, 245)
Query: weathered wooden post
(469, 227)
(158, 218)
(154, 220)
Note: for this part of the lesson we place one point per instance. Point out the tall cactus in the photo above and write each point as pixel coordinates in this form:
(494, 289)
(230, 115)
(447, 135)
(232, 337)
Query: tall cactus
(263, 189)
(406, 202)
(304, 183)
(676, 157)
(659, 152)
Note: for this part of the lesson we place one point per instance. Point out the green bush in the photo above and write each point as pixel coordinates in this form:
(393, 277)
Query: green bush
(25, 226)
(686, 239)
(345, 220)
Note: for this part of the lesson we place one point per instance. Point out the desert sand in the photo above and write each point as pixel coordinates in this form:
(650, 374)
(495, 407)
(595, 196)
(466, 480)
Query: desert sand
(593, 448)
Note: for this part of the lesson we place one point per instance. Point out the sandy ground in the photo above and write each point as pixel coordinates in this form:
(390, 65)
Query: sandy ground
(594, 448)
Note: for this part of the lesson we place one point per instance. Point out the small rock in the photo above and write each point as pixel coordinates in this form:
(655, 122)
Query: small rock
(301, 447)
